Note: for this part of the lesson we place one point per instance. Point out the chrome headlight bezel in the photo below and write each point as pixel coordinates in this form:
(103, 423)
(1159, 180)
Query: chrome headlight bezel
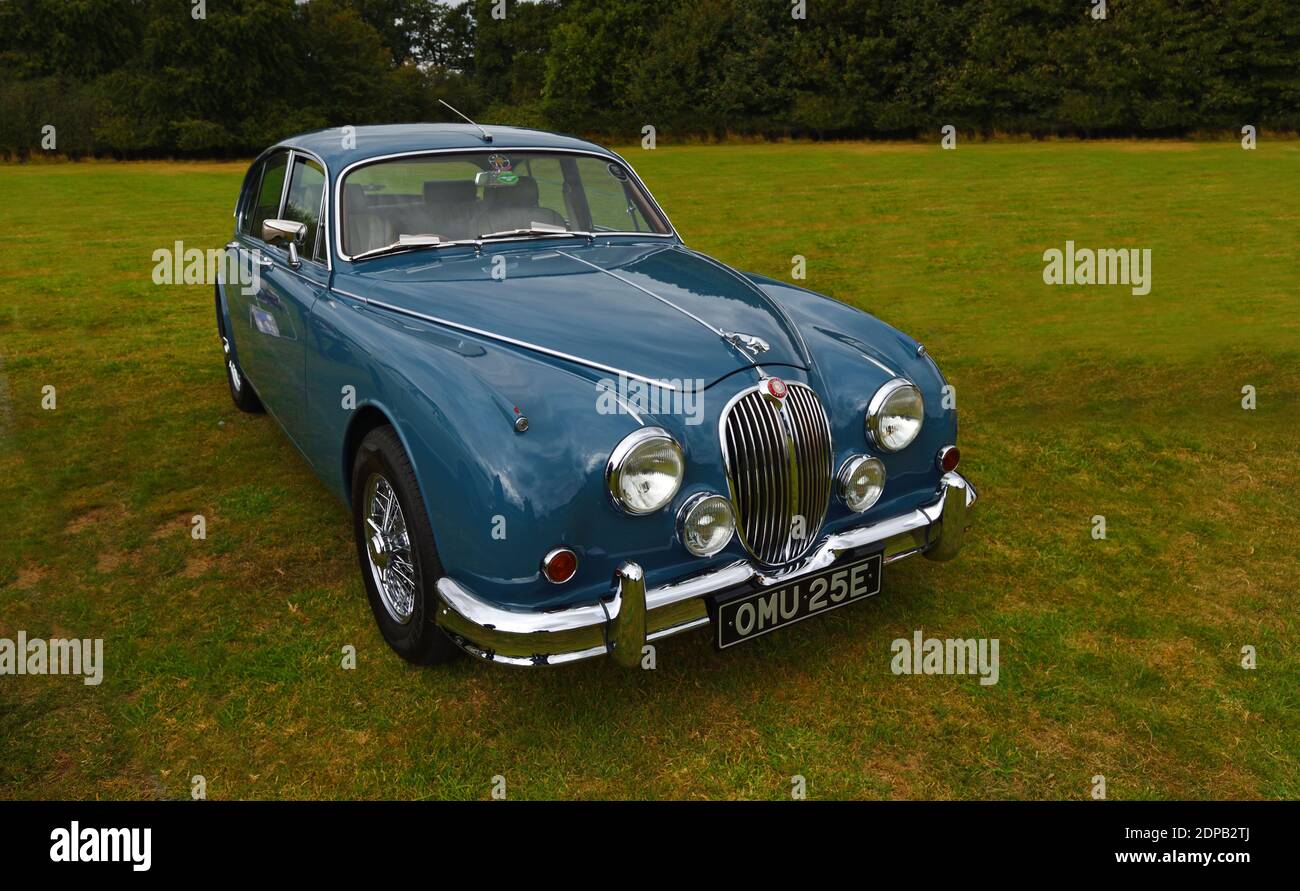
(627, 448)
(697, 502)
(875, 411)
(847, 471)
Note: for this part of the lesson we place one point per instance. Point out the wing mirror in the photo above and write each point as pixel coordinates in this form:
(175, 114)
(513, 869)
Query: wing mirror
(289, 232)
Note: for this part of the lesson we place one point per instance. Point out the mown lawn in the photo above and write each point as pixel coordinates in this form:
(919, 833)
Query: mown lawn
(1119, 657)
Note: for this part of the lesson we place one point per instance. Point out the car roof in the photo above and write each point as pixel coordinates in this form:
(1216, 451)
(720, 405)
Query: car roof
(364, 143)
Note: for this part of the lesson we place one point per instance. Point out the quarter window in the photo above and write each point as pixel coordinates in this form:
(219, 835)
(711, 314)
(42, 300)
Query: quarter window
(615, 204)
(303, 205)
(268, 193)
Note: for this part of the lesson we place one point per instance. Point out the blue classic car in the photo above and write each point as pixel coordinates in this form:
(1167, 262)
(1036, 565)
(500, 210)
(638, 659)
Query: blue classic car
(560, 431)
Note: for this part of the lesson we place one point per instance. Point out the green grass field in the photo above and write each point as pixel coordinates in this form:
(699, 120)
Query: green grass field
(1119, 657)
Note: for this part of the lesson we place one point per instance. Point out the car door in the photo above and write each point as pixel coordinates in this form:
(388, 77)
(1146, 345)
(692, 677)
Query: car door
(275, 316)
(267, 194)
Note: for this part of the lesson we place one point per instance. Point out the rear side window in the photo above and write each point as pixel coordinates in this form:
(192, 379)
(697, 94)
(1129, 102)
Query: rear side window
(267, 203)
(306, 186)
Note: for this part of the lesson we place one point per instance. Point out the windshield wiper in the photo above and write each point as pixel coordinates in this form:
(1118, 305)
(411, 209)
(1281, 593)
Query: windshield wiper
(422, 242)
(406, 243)
(540, 230)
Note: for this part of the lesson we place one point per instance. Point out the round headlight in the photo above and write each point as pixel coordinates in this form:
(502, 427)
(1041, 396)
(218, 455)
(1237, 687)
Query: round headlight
(706, 524)
(862, 479)
(645, 470)
(895, 415)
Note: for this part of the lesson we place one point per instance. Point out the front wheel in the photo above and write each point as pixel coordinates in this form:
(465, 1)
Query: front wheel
(399, 563)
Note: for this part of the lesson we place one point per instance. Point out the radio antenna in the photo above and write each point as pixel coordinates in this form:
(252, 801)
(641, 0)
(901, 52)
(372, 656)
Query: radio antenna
(487, 137)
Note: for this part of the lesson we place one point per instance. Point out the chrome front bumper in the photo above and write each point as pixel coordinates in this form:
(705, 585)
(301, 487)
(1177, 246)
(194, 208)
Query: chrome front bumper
(622, 625)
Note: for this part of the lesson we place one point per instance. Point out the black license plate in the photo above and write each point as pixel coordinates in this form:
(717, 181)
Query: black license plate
(753, 615)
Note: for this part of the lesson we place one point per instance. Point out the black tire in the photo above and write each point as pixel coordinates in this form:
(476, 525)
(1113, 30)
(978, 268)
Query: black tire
(417, 638)
(241, 391)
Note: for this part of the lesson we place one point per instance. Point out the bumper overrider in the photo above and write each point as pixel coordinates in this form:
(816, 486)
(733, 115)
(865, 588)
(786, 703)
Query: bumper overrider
(621, 625)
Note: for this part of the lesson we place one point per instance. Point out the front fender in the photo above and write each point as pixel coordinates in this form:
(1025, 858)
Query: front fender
(856, 353)
(498, 499)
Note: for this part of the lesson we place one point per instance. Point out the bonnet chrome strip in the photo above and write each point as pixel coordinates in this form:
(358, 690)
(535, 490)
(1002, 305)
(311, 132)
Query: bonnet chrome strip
(523, 344)
(644, 290)
(762, 295)
(726, 338)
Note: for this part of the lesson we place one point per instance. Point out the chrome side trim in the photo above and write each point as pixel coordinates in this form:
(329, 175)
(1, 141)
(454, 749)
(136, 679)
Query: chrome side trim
(633, 614)
(501, 338)
(607, 155)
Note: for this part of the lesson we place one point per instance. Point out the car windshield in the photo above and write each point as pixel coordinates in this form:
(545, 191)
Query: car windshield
(428, 201)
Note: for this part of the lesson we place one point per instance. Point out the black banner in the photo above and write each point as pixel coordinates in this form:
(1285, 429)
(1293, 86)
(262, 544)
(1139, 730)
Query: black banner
(474, 841)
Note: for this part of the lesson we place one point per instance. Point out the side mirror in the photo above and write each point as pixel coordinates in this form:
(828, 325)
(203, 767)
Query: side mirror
(288, 231)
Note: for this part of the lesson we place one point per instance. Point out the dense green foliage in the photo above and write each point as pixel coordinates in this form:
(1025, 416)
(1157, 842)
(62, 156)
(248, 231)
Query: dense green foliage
(146, 77)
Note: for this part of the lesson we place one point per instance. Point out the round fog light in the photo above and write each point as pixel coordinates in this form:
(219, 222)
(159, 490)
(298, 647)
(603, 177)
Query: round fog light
(862, 480)
(707, 524)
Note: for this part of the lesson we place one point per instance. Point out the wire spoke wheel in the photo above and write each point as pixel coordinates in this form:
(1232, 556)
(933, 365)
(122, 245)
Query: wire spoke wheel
(388, 546)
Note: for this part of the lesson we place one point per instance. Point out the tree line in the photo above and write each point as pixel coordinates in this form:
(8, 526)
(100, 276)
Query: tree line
(223, 78)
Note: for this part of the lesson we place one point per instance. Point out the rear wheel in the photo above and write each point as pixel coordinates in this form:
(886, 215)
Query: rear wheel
(241, 391)
(399, 563)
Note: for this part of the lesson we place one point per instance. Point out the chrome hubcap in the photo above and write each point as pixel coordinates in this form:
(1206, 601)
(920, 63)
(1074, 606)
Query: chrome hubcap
(388, 547)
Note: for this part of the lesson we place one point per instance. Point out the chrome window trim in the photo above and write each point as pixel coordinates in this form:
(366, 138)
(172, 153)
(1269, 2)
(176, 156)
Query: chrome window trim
(614, 466)
(294, 150)
(284, 187)
(887, 389)
(416, 153)
(257, 189)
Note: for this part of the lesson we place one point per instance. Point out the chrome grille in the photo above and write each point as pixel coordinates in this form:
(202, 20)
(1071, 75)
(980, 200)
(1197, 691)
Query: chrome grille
(778, 459)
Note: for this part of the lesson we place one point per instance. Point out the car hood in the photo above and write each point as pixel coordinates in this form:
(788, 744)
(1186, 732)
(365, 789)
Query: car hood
(654, 311)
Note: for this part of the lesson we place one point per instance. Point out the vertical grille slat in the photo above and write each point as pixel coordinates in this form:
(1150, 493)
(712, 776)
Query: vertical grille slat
(778, 459)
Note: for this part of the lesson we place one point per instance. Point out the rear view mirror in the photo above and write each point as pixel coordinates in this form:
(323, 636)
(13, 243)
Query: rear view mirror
(275, 231)
(288, 231)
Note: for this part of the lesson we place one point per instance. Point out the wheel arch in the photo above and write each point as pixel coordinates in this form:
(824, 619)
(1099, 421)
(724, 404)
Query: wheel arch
(366, 418)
